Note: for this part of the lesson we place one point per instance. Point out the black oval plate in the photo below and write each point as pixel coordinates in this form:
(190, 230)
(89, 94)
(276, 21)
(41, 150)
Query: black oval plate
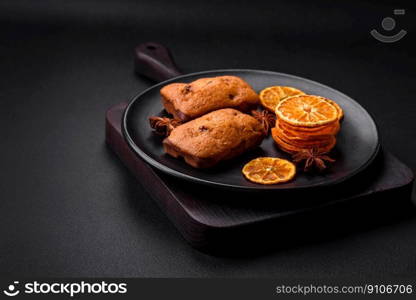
(357, 142)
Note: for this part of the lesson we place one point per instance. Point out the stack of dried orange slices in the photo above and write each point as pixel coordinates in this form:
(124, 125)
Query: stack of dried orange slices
(306, 122)
(303, 123)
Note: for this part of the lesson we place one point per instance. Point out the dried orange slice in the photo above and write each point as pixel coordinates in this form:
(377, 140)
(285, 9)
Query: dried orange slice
(304, 143)
(296, 134)
(332, 129)
(306, 111)
(338, 108)
(290, 148)
(269, 170)
(271, 96)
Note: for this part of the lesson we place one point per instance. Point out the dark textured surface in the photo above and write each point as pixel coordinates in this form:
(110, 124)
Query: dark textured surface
(69, 208)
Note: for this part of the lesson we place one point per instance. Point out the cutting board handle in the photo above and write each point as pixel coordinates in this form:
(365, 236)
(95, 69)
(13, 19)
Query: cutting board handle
(155, 62)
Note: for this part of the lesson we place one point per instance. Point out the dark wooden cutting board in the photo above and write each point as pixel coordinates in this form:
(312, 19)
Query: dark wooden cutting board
(239, 222)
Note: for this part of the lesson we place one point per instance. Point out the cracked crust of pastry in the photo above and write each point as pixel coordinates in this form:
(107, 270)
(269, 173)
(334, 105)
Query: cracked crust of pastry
(214, 137)
(186, 101)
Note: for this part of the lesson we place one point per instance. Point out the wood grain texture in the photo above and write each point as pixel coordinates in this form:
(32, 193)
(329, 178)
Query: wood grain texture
(155, 62)
(219, 221)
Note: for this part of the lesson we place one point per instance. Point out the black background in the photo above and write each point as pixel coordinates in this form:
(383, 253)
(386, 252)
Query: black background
(69, 208)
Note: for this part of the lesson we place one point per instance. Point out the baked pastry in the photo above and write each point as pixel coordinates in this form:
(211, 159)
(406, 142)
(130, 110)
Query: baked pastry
(187, 101)
(214, 137)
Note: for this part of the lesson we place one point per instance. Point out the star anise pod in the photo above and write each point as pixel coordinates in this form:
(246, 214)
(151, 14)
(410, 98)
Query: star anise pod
(163, 125)
(312, 158)
(266, 118)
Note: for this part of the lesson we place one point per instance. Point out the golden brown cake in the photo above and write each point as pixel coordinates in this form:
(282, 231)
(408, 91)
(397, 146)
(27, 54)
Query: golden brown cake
(214, 137)
(187, 101)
